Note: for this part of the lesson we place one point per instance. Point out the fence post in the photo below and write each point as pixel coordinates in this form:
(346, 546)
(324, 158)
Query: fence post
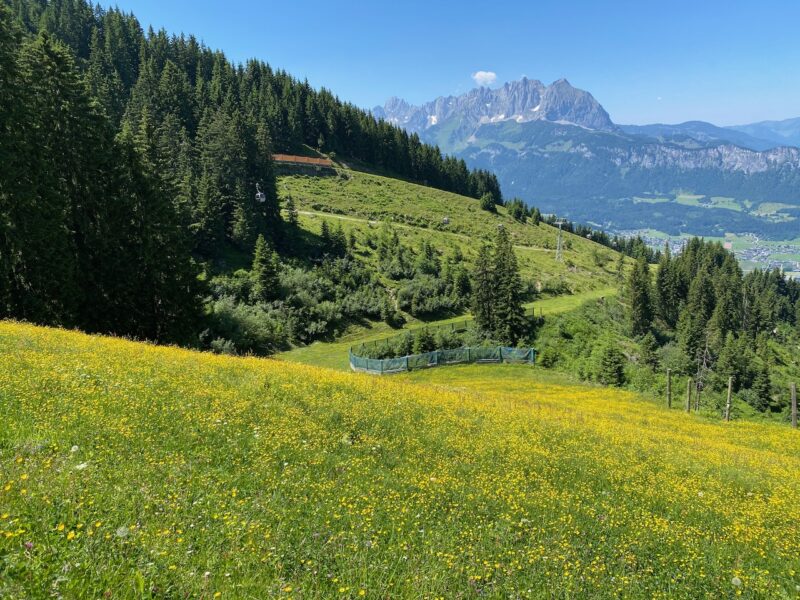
(469, 358)
(669, 388)
(381, 366)
(689, 395)
(728, 403)
(407, 369)
(794, 406)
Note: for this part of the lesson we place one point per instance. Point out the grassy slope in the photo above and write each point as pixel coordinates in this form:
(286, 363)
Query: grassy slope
(417, 211)
(158, 472)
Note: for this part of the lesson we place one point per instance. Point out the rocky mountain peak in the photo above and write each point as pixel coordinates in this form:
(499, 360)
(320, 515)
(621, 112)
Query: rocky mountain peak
(522, 101)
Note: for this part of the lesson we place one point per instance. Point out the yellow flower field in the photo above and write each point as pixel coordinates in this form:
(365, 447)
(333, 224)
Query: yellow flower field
(128, 470)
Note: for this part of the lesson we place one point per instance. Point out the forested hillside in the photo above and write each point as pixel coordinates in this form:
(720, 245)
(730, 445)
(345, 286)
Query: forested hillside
(698, 316)
(131, 160)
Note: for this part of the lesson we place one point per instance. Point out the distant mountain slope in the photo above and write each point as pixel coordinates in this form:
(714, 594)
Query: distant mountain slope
(786, 132)
(556, 147)
(702, 132)
(595, 176)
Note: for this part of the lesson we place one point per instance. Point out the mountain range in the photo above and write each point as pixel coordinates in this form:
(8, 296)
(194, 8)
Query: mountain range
(556, 147)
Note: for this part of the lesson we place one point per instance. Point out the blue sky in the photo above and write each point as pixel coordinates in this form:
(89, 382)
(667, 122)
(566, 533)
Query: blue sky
(727, 62)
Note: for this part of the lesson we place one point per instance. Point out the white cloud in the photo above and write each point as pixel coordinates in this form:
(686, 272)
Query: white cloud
(483, 78)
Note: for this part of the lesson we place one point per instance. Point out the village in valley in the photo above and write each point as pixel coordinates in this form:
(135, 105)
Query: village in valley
(752, 251)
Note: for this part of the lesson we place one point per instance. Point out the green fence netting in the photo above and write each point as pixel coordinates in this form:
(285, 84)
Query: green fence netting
(480, 354)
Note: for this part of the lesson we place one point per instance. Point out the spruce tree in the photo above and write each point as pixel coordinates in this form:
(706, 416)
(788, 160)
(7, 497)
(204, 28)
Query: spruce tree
(509, 321)
(762, 389)
(58, 139)
(797, 316)
(640, 310)
(488, 203)
(649, 349)
(11, 142)
(264, 272)
(291, 212)
(726, 317)
(424, 341)
(483, 293)
(325, 237)
(338, 242)
(666, 300)
(620, 269)
(735, 360)
(611, 368)
(693, 321)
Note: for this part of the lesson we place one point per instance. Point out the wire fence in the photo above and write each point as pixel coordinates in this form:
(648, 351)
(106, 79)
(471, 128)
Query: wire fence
(467, 354)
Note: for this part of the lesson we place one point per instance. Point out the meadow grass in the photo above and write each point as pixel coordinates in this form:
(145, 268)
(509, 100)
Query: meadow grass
(129, 470)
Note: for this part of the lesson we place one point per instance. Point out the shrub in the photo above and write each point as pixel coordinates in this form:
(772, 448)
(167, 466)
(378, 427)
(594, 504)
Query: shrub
(425, 295)
(242, 329)
(424, 342)
(611, 366)
(548, 357)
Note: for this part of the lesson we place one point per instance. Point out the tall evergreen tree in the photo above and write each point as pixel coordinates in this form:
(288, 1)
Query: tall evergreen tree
(509, 313)
(264, 272)
(667, 301)
(325, 237)
(483, 292)
(693, 321)
(640, 310)
(11, 152)
(762, 389)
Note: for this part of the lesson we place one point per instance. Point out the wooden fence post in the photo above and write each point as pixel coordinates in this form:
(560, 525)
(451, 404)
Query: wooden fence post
(669, 388)
(689, 395)
(794, 406)
(728, 403)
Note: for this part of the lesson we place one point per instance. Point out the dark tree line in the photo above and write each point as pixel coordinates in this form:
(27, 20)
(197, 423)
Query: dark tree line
(86, 238)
